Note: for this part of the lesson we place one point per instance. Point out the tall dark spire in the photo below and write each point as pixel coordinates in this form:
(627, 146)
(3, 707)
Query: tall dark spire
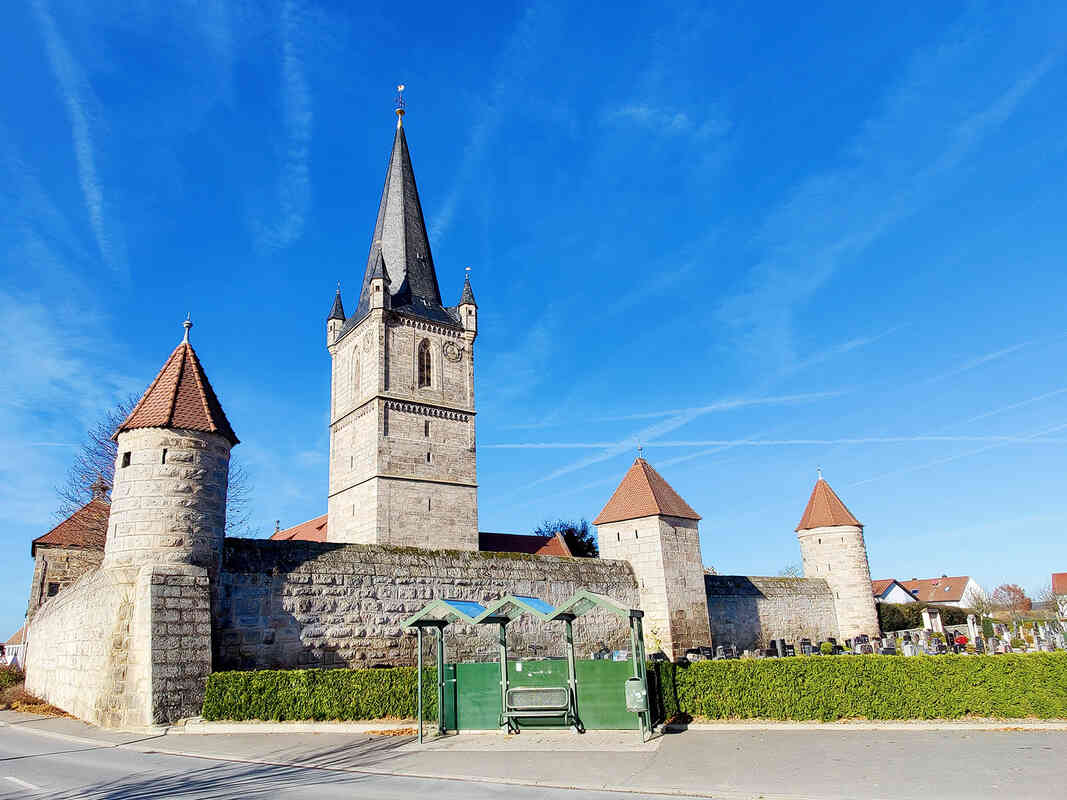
(338, 310)
(400, 236)
(468, 292)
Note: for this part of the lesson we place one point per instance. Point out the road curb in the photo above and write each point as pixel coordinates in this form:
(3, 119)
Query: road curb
(847, 726)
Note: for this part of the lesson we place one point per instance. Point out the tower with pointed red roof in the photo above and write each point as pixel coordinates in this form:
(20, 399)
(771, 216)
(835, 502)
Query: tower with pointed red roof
(402, 446)
(168, 504)
(832, 547)
(648, 524)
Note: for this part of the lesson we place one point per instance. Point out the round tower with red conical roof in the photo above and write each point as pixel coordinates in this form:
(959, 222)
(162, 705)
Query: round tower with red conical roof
(168, 504)
(832, 548)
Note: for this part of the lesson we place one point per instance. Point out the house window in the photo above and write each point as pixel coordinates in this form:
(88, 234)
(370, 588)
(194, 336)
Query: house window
(425, 378)
(126, 459)
(53, 589)
(164, 461)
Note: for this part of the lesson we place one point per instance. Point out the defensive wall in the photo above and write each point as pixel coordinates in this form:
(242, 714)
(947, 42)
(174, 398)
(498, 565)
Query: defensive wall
(749, 611)
(289, 604)
(125, 647)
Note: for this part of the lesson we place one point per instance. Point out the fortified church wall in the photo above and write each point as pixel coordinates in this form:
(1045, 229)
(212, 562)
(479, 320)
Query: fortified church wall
(318, 604)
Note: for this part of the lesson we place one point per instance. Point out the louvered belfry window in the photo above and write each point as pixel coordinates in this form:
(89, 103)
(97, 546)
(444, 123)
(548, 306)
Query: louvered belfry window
(424, 363)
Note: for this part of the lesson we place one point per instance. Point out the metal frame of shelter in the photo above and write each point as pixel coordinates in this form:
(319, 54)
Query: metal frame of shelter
(439, 614)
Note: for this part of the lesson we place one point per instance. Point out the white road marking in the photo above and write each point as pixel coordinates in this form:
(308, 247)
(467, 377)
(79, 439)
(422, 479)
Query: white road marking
(22, 783)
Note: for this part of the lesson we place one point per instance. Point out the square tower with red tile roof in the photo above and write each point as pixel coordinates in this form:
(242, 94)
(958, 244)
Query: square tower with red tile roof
(402, 447)
(648, 524)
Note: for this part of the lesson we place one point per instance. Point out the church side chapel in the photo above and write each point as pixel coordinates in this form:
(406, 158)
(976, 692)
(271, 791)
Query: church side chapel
(139, 596)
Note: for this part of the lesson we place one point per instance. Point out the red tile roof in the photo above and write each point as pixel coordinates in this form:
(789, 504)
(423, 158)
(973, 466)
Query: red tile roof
(18, 637)
(825, 510)
(554, 545)
(314, 530)
(879, 588)
(1059, 583)
(937, 590)
(180, 397)
(86, 527)
(644, 493)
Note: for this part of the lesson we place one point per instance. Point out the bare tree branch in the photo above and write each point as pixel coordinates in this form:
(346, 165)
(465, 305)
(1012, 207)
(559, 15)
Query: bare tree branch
(95, 459)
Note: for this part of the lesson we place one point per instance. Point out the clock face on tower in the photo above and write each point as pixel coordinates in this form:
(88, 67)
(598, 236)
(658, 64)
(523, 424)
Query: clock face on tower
(452, 351)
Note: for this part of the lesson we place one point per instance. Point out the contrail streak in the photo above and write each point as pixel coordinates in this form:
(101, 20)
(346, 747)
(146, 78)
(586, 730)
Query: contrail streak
(771, 442)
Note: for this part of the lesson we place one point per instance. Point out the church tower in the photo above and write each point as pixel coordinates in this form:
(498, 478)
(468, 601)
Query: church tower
(402, 448)
(832, 548)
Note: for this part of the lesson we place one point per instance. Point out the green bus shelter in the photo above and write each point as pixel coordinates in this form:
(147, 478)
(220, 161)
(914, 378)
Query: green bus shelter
(510, 694)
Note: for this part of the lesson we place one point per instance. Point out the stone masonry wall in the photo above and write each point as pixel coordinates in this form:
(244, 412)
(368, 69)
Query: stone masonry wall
(311, 604)
(839, 555)
(59, 565)
(124, 647)
(78, 644)
(750, 611)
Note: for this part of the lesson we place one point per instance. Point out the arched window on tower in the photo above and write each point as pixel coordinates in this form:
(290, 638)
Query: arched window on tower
(424, 363)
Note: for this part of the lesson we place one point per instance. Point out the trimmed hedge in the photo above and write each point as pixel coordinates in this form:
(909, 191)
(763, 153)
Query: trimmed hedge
(320, 694)
(803, 688)
(874, 687)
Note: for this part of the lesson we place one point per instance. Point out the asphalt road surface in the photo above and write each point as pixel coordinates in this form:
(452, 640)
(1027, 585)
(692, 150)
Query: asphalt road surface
(32, 766)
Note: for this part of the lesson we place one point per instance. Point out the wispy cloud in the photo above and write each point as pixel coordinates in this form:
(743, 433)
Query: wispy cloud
(724, 443)
(515, 64)
(668, 122)
(1013, 406)
(1039, 436)
(294, 182)
(728, 405)
(78, 96)
(894, 168)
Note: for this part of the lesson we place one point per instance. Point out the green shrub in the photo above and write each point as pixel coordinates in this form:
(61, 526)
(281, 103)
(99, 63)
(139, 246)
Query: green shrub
(9, 676)
(826, 648)
(319, 694)
(904, 616)
(825, 688)
(876, 687)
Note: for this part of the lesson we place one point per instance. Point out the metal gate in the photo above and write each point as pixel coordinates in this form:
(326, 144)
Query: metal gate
(472, 693)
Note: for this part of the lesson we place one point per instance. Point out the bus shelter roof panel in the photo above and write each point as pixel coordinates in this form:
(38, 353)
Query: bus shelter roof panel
(445, 612)
(513, 606)
(583, 601)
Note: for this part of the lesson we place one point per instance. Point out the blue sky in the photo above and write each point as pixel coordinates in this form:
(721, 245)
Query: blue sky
(757, 241)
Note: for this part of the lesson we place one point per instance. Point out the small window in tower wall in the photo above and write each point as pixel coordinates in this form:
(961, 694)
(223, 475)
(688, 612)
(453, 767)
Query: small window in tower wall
(635, 534)
(164, 461)
(126, 459)
(428, 459)
(53, 589)
(618, 536)
(385, 422)
(827, 567)
(353, 511)
(428, 506)
(426, 428)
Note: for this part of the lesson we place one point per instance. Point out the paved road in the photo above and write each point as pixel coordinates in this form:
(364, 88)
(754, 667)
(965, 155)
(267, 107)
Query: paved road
(814, 764)
(32, 765)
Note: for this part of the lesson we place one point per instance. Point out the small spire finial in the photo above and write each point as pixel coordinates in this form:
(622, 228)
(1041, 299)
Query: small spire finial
(640, 450)
(819, 471)
(400, 105)
(338, 287)
(187, 325)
